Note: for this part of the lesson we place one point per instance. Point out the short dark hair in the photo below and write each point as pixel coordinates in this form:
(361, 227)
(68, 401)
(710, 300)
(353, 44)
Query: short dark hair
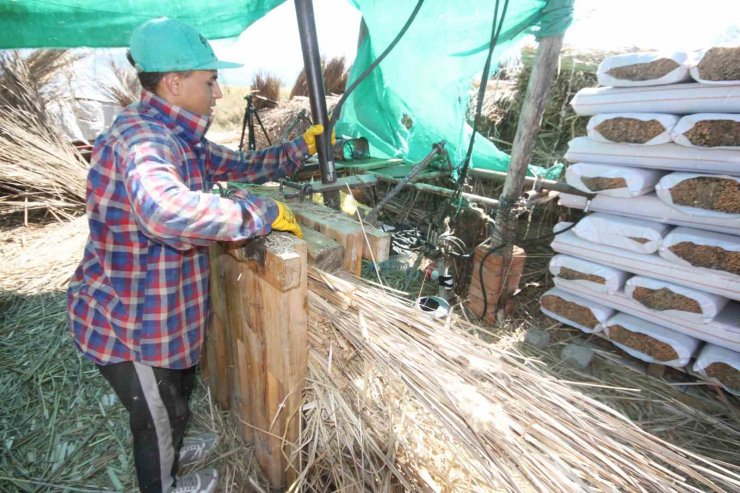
(149, 80)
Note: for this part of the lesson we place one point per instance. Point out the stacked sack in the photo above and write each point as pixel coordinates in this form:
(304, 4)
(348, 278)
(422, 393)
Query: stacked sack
(655, 267)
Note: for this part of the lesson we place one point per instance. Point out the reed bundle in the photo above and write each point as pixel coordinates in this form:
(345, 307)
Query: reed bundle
(400, 401)
(38, 169)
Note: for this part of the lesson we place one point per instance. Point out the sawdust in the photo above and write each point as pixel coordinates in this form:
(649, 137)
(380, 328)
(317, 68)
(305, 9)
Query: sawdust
(597, 183)
(644, 71)
(574, 275)
(707, 256)
(710, 193)
(570, 310)
(720, 64)
(714, 133)
(658, 350)
(727, 374)
(630, 130)
(665, 299)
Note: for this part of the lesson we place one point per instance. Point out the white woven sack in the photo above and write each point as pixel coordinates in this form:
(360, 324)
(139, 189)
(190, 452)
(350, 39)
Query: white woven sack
(663, 191)
(677, 99)
(695, 66)
(709, 304)
(665, 120)
(679, 74)
(613, 278)
(715, 354)
(600, 312)
(685, 346)
(627, 233)
(639, 181)
(730, 243)
(686, 123)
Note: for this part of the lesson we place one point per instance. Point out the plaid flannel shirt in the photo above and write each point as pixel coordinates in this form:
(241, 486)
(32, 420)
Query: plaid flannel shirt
(140, 292)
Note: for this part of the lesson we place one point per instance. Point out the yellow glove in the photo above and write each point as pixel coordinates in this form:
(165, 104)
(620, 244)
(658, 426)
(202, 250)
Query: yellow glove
(310, 137)
(286, 221)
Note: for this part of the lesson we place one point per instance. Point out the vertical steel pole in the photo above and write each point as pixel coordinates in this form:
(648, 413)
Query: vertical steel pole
(317, 97)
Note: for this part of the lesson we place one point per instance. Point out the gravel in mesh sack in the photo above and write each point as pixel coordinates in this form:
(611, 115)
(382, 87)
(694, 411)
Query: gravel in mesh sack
(570, 310)
(708, 256)
(595, 183)
(727, 374)
(665, 299)
(574, 275)
(720, 64)
(713, 133)
(644, 71)
(630, 130)
(711, 193)
(658, 350)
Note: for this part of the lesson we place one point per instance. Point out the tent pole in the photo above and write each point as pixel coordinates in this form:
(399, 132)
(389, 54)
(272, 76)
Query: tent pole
(317, 97)
(538, 90)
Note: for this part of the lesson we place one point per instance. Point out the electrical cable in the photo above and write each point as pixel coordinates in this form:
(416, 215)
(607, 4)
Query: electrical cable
(495, 33)
(370, 68)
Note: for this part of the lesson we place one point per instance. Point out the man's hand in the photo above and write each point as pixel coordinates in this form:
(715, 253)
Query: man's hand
(286, 221)
(310, 137)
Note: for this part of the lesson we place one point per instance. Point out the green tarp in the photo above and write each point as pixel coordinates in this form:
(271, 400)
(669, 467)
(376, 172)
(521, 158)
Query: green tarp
(417, 96)
(109, 23)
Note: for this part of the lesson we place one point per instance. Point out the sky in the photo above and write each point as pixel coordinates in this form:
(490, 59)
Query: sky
(272, 44)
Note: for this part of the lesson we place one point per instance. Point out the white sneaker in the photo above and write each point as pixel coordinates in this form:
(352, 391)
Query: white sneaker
(196, 448)
(197, 482)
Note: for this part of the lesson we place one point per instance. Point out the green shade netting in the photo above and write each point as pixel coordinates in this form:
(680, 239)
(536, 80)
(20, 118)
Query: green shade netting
(109, 23)
(420, 93)
(417, 96)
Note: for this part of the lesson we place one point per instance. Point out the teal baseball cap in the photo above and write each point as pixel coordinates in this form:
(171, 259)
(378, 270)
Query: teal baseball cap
(167, 45)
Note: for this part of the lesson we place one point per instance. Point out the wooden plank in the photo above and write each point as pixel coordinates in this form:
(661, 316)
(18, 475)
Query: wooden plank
(267, 314)
(323, 252)
(216, 356)
(336, 226)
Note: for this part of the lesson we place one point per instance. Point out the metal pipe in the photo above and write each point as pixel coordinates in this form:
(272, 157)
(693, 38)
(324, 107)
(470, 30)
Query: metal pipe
(316, 94)
(538, 183)
(445, 192)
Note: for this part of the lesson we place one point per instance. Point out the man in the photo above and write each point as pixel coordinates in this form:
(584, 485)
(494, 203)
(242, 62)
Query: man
(138, 302)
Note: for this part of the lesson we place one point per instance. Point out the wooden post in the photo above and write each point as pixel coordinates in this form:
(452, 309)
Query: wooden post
(263, 307)
(538, 91)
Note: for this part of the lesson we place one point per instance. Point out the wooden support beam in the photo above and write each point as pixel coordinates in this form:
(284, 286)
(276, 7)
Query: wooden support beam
(538, 91)
(323, 252)
(263, 305)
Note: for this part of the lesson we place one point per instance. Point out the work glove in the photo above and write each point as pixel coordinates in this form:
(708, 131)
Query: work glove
(286, 221)
(310, 137)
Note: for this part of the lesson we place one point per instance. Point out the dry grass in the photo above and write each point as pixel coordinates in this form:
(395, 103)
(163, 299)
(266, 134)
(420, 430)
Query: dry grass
(265, 90)
(124, 88)
(335, 75)
(40, 173)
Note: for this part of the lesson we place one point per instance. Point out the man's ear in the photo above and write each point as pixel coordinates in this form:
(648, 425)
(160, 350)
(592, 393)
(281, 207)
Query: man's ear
(172, 82)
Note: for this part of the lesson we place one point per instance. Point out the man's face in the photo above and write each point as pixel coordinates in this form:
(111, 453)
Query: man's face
(199, 91)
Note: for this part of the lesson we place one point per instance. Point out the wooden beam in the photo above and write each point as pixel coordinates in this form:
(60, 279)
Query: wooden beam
(323, 252)
(336, 226)
(538, 91)
(264, 295)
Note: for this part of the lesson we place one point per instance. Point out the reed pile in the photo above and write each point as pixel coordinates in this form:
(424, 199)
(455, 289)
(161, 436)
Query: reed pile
(400, 401)
(39, 170)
